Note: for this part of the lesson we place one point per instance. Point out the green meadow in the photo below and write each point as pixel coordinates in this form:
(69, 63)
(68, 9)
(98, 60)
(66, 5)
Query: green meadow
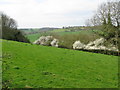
(34, 66)
(59, 32)
(33, 37)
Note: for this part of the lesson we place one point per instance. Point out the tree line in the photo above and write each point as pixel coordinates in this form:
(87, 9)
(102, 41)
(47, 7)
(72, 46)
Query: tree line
(10, 31)
(107, 20)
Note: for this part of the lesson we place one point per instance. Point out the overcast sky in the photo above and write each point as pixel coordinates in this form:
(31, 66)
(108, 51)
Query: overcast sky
(49, 13)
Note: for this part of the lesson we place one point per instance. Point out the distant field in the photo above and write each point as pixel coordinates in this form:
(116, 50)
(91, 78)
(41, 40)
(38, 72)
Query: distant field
(62, 32)
(59, 30)
(30, 30)
(34, 66)
(33, 37)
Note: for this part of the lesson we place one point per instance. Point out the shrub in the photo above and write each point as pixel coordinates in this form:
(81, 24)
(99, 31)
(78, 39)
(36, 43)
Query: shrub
(66, 41)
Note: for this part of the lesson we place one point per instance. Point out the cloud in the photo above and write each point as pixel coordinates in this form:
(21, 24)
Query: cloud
(55, 13)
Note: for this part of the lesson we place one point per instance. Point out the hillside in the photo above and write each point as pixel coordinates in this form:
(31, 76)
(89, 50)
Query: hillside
(33, 66)
(36, 30)
(60, 32)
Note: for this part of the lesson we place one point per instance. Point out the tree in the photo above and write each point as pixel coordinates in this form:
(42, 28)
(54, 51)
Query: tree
(107, 18)
(9, 30)
(109, 10)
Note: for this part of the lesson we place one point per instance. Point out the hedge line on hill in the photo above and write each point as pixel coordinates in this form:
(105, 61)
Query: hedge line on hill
(107, 52)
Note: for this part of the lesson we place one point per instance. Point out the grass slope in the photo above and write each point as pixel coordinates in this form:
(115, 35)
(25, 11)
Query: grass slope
(61, 32)
(26, 65)
(33, 37)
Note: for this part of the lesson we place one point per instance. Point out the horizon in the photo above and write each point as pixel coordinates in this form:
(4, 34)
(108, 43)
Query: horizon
(47, 27)
(49, 13)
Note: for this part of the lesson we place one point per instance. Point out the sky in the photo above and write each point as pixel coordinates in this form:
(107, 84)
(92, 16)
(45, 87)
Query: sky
(49, 13)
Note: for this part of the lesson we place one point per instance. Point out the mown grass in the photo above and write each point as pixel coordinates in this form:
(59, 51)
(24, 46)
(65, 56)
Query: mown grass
(33, 66)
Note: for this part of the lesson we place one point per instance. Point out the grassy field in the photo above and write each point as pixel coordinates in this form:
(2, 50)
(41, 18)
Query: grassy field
(0, 75)
(60, 32)
(26, 65)
(33, 37)
(66, 32)
(27, 31)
